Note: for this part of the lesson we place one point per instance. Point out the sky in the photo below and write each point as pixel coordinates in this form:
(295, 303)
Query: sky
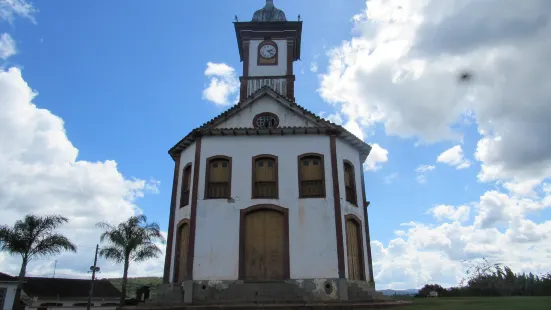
(94, 93)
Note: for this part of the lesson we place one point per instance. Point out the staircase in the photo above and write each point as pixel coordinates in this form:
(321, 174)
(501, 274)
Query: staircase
(361, 290)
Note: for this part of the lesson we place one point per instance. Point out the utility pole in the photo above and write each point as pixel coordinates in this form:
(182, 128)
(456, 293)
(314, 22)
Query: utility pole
(93, 269)
(55, 266)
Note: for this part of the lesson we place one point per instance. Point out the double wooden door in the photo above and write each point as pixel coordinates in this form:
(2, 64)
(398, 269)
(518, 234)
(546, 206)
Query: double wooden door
(264, 245)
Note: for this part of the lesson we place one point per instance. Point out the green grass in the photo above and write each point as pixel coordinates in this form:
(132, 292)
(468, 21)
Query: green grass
(479, 303)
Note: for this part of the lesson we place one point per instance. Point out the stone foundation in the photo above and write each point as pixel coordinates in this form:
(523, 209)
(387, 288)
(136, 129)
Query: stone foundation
(303, 291)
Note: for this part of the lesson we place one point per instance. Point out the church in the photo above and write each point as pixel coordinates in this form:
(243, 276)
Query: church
(268, 199)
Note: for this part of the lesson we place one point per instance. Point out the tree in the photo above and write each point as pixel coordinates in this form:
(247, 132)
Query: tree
(33, 237)
(132, 240)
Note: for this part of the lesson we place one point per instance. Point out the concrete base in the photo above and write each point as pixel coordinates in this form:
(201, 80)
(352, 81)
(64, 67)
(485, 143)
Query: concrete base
(315, 306)
(302, 291)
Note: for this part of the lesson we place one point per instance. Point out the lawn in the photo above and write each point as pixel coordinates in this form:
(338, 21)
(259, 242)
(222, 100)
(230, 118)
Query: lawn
(482, 303)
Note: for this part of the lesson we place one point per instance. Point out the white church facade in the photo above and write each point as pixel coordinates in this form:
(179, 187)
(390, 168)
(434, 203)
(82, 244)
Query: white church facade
(268, 199)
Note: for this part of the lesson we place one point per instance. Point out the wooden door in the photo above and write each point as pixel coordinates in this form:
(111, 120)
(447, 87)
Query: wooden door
(353, 249)
(183, 250)
(264, 245)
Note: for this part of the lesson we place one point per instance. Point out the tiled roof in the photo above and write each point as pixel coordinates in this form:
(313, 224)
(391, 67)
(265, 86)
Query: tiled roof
(6, 277)
(207, 128)
(68, 288)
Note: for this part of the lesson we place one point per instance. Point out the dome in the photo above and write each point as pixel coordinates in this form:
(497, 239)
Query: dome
(269, 13)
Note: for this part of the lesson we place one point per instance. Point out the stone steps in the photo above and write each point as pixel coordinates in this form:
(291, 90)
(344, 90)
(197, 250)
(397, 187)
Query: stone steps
(289, 306)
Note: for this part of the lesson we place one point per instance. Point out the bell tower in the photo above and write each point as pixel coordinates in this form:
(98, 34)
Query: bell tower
(268, 46)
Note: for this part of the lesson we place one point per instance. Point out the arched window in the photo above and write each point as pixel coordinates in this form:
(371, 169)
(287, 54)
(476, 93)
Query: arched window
(186, 185)
(311, 176)
(218, 179)
(350, 182)
(265, 179)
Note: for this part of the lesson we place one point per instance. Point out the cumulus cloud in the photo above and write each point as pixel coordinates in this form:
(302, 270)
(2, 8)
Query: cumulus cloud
(445, 212)
(223, 83)
(424, 253)
(41, 174)
(454, 157)
(421, 171)
(427, 69)
(421, 68)
(377, 157)
(7, 46)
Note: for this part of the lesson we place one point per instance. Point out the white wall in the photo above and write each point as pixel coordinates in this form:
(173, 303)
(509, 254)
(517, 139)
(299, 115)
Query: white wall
(10, 294)
(279, 69)
(187, 156)
(265, 104)
(311, 221)
(347, 152)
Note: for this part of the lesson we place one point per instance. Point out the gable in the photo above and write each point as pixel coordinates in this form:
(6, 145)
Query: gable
(287, 116)
(293, 119)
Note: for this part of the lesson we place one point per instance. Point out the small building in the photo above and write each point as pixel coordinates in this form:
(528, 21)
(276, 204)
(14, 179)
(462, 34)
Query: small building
(433, 294)
(8, 285)
(60, 292)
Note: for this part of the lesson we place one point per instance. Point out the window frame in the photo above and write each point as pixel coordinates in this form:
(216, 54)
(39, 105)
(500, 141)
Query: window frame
(323, 178)
(256, 117)
(182, 187)
(253, 175)
(353, 180)
(207, 176)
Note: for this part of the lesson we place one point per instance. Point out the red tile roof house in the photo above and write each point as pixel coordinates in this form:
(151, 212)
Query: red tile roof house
(54, 293)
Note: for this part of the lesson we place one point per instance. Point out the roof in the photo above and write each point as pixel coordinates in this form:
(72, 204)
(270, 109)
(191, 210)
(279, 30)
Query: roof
(6, 277)
(288, 30)
(68, 288)
(323, 126)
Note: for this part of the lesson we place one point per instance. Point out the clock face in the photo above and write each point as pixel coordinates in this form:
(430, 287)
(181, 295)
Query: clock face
(268, 51)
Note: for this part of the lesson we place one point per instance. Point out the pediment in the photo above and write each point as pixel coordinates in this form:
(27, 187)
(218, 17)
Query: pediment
(267, 101)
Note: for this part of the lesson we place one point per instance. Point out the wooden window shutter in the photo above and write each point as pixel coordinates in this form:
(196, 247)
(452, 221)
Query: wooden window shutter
(265, 178)
(218, 185)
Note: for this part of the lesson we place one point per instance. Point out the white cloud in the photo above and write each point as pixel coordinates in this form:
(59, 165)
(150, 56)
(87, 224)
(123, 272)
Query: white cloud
(436, 253)
(9, 9)
(223, 83)
(7, 46)
(422, 171)
(41, 174)
(402, 69)
(377, 157)
(445, 212)
(454, 157)
(524, 188)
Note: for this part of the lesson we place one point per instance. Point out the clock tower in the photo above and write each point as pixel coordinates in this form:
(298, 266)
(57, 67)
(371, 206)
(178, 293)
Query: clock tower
(268, 46)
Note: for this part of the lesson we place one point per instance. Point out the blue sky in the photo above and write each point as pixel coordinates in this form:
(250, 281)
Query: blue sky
(128, 80)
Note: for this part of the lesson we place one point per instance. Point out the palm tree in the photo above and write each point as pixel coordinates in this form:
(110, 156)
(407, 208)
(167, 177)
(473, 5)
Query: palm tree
(132, 240)
(33, 237)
